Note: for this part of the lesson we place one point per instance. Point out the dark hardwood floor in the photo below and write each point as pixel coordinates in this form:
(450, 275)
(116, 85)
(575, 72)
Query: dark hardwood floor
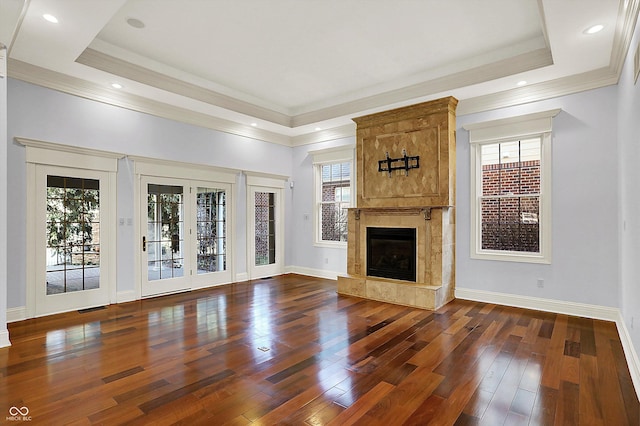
(289, 350)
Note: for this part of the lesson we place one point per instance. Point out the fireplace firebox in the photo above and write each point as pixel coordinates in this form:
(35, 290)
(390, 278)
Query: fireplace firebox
(391, 253)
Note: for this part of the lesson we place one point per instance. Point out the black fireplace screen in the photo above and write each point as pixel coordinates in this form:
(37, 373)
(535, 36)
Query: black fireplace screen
(391, 253)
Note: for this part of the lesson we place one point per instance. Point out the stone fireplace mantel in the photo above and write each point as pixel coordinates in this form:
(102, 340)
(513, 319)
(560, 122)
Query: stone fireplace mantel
(421, 199)
(435, 255)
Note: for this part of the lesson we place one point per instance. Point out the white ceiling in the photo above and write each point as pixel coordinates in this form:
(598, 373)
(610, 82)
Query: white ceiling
(291, 66)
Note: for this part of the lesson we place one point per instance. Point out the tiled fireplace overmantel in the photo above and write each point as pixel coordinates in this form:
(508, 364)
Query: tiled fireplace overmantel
(418, 198)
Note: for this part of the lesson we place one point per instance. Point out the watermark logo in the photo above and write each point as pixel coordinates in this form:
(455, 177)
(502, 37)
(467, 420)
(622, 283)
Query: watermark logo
(18, 414)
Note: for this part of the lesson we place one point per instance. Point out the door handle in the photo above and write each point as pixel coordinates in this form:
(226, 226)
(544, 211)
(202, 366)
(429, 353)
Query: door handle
(144, 243)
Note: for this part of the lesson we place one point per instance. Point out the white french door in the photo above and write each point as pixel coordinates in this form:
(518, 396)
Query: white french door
(184, 228)
(210, 240)
(265, 226)
(73, 235)
(164, 255)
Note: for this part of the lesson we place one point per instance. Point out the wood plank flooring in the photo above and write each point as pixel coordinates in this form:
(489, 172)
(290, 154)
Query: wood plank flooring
(289, 350)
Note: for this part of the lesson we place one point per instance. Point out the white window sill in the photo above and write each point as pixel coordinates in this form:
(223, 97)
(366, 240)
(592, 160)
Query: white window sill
(511, 257)
(331, 244)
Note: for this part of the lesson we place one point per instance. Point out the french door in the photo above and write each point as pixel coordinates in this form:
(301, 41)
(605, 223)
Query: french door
(265, 230)
(73, 237)
(184, 241)
(164, 257)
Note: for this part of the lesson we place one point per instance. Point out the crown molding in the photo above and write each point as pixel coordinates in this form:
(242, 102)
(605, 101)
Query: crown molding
(107, 63)
(79, 87)
(517, 64)
(85, 89)
(538, 92)
(416, 92)
(346, 131)
(626, 22)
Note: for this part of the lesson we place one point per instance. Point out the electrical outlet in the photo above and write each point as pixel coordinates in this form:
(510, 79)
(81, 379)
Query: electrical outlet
(326, 260)
(540, 283)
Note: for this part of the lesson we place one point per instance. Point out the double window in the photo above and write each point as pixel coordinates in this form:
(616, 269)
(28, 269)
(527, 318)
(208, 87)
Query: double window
(511, 188)
(333, 193)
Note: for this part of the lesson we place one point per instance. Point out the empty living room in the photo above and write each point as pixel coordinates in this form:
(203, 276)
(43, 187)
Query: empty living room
(312, 213)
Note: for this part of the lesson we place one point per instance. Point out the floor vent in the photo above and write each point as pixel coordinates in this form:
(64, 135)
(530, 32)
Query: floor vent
(97, 308)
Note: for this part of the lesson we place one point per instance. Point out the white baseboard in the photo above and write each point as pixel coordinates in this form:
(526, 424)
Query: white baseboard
(126, 296)
(16, 314)
(318, 273)
(241, 277)
(4, 338)
(548, 305)
(629, 352)
(569, 308)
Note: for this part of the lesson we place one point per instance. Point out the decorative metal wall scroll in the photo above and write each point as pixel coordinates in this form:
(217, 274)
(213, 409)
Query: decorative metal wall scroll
(403, 163)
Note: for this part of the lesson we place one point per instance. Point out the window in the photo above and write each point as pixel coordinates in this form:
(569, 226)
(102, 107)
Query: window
(211, 229)
(510, 197)
(335, 199)
(265, 228)
(73, 234)
(333, 186)
(511, 188)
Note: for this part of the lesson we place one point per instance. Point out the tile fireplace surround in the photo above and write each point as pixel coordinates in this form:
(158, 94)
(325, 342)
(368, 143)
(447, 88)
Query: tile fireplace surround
(420, 198)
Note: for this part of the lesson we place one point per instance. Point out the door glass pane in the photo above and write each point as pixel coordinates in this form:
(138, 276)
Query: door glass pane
(73, 234)
(265, 228)
(165, 231)
(211, 216)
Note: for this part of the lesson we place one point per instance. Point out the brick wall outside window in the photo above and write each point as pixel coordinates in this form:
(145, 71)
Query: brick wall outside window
(333, 215)
(335, 193)
(510, 221)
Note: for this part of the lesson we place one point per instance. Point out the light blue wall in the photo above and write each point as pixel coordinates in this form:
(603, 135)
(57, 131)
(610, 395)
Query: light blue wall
(48, 115)
(329, 261)
(585, 252)
(629, 158)
(586, 248)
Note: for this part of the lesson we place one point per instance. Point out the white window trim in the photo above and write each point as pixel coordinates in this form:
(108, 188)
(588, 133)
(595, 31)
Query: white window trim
(340, 154)
(530, 125)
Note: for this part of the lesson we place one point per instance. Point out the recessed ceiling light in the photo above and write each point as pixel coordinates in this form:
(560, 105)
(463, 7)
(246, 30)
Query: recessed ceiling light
(50, 18)
(318, 129)
(522, 82)
(135, 23)
(594, 29)
(254, 124)
(116, 85)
